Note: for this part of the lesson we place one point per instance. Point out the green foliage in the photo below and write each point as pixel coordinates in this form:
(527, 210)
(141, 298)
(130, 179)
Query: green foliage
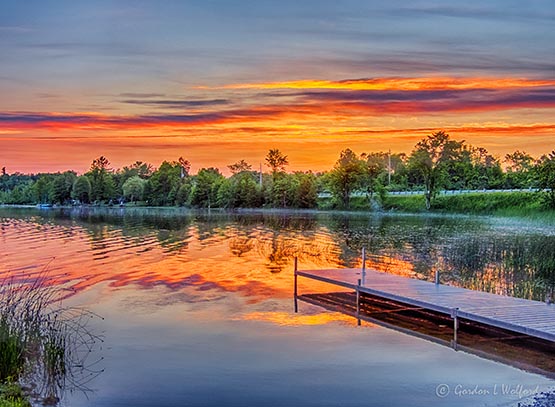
(486, 203)
(39, 341)
(545, 173)
(519, 170)
(62, 186)
(133, 188)
(436, 163)
(306, 194)
(162, 187)
(103, 187)
(11, 395)
(81, 190)
(432, 157)
(183, 195)
(205, 192)
(11, 350)
(405, 203)
(240, 191)
(347, 176)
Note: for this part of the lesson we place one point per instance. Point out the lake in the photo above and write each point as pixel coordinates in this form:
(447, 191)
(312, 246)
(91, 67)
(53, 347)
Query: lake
(196, 309)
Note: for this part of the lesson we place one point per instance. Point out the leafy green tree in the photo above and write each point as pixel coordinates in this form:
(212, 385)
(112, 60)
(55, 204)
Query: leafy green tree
(102, 183)
(279, 186)
(284, 190)
(162, 187)
(137, 169)
(306, 195)
(519, 169)
(205, 192)
(545, 173)
(81, 189)
(431, 158)
(488, 170)
(375, 174)
(134, 188)
(241, 190)
(42, 189)
(61, 187)
(346, 176)
(183, 196)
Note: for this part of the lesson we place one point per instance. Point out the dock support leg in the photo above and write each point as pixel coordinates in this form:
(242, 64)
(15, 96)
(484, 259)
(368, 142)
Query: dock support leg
(358, 302)
(437, 277)
(363, 263)
(454, 315)
(296, 302)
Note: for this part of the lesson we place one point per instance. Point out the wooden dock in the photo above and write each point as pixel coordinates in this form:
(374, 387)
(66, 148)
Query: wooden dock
(527, 317)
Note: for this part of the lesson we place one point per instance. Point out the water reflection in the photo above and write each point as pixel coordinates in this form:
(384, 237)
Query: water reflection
(252, 253)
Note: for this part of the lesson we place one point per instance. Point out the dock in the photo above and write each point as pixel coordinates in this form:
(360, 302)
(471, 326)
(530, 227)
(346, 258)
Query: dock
(525, 317)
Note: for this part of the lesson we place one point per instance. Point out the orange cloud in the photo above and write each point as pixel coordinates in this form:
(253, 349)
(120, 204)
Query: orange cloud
(433, 83)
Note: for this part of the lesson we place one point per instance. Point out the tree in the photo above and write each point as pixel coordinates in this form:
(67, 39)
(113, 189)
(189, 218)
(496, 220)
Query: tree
(487, 170)
(240, 190)
(102, 183)
(205, 192)
(276, 161)
(61, 187)
(239, 166)
(346, 176)
(431, 158)
(519, 169)
(375, 171)
(183, 195)
(306, 194)
(545, 174)
(163, 185)
(43, 189)
(81, 189)
(133, 188)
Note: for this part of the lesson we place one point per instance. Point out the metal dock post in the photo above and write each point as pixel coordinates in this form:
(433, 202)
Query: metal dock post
(358, 302)
(296, 302)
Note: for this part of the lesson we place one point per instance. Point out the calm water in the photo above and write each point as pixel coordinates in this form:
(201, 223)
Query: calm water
(198, 308)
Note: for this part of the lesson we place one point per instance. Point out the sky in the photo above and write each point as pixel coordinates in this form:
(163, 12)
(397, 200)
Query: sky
(219, 81)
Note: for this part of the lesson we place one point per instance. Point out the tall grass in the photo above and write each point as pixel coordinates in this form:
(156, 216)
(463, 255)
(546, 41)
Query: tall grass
(509, 204)
(42, 343)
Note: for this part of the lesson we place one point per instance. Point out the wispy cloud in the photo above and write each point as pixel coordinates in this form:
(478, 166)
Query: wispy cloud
(304, 101)
(177, 103)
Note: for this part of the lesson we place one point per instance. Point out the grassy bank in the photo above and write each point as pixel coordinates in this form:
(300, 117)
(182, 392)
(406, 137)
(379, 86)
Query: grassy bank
(528, 204)
(514, 204)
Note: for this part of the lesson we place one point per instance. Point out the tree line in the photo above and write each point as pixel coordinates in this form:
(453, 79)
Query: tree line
(436, 163)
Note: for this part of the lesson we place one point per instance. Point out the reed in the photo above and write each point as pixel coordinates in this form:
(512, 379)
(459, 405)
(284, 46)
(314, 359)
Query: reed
(42, 343)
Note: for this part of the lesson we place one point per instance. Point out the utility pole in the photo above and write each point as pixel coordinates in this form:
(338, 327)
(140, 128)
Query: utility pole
(389, 167)
(260, 179)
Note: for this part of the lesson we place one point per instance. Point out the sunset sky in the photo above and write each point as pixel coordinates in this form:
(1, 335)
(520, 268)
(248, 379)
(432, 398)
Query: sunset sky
(219, 81)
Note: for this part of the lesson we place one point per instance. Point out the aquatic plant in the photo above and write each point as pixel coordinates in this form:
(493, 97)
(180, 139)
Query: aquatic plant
(42, 343)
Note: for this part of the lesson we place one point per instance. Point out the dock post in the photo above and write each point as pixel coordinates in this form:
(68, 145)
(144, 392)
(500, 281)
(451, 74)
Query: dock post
(437, 277)
(358, 302)
(296, 302)
(455, 316)
(363, 263)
